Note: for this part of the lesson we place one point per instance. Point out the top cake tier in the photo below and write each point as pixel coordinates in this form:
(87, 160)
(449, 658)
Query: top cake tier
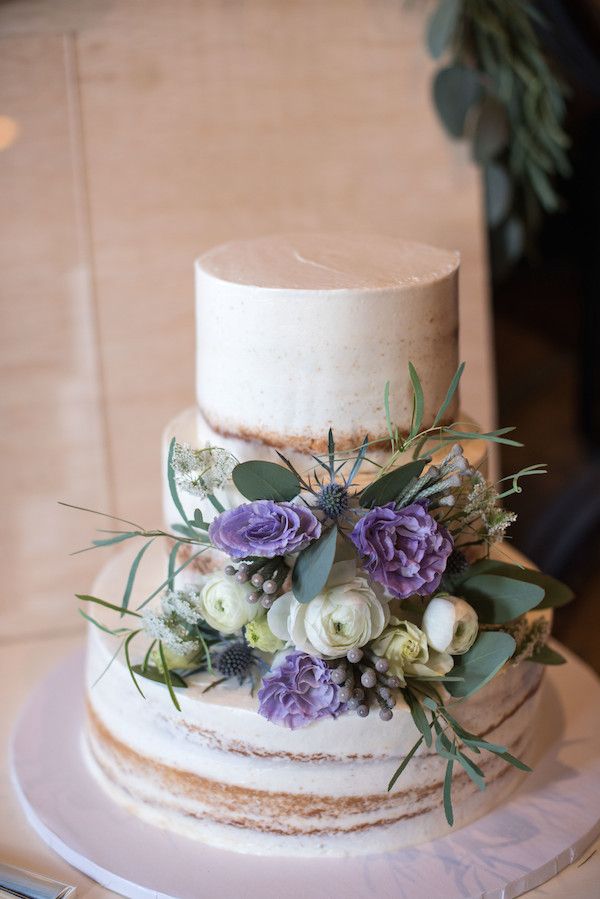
(299, 333)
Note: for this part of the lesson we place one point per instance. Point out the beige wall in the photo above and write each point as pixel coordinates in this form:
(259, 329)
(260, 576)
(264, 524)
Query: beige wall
(147, 132)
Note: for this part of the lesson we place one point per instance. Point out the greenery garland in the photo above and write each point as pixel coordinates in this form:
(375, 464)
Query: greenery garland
(499, 92)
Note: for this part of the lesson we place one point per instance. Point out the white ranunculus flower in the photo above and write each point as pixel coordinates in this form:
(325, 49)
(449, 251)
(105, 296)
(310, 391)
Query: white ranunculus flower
(344, 616)
(450, 624)
(223, 604)
(405, 647)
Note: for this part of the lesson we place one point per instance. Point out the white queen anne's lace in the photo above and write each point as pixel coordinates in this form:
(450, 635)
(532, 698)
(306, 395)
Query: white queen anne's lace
(201, 471)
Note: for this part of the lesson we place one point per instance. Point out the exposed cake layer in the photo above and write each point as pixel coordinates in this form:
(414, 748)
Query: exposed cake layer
(299, 333)
(190, 427)
(221, 773)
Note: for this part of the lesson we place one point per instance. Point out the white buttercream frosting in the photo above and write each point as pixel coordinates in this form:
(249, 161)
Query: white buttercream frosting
(299, 333)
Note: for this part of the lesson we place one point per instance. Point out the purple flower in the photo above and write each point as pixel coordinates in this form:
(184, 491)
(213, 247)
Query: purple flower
(264, 528)
(298, 692)
(406, 550)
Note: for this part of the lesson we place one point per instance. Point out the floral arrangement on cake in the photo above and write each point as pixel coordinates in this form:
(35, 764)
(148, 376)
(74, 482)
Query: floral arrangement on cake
(345, 589)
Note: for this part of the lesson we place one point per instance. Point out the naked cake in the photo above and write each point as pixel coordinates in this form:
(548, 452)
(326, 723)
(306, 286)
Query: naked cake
(336, 653)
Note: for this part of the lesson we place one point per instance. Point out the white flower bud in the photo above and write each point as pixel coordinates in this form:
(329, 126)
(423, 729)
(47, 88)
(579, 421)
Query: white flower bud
(450, 624)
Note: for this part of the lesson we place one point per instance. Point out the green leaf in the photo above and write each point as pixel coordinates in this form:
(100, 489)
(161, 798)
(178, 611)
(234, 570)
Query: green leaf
(107, 605)
(489, 653)
(419, 402)
(172, 484)
(116, 632)
(171, 565)
(313, 566)
(331, 453)
(498, 599)
(448, 792)
(403, 764)
(128, 660)
(498, 193)
(511, 760)
(555, 592)
(491, 130)
(358, 461)
(473, 770)
(168, 676)
(491, 436)
(455, 90)
(199, 521)
(451, 391)
(441, 26)
(265, 480)
(546, 656)
(387, 488)
(151, 673)
(388, 415)
(109, 541)
(131, 578)
(418, 715)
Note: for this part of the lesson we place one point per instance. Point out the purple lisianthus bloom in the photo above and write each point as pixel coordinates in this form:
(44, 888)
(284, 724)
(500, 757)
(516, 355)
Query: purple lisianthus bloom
(264, 528)
(406, 550)
(298, 692)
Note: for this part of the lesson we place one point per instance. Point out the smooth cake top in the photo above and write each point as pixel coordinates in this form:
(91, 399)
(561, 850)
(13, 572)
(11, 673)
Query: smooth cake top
(343, 261)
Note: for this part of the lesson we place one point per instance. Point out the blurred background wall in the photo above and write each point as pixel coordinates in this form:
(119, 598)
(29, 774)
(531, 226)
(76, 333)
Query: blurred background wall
(135, 135)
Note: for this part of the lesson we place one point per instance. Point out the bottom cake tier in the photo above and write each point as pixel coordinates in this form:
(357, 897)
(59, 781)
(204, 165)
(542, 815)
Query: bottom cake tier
(219, 772)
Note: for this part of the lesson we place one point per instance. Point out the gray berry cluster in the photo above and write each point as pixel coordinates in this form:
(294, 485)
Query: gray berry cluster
(266, 575)
(364, 682)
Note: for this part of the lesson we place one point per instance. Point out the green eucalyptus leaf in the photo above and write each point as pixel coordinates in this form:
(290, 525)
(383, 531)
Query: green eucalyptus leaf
(450, 393)
(119, 538)
(313, 566)
(555, 592)
(491, 130)
(448, 792)
(388, 488)
(498, 193)
(155, 674)
(545, 655)
(419, 401)
(418, 715)
(512, 760)
(172, 483)
(132, 575)
(441, 26)
(489, 653)
(265, 480)
(455, 90)
(498, 599)
(404, 763)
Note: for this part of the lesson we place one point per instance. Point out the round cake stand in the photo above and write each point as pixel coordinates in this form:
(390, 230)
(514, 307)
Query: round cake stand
(547, 824)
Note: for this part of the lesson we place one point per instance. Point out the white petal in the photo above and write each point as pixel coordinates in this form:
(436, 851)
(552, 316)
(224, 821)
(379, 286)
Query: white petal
(278, 615)
(438, 623)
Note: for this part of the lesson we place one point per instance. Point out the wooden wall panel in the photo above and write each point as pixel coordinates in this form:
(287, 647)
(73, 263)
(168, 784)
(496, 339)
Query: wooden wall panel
(151, 131)
(51, 432)
(216, 120)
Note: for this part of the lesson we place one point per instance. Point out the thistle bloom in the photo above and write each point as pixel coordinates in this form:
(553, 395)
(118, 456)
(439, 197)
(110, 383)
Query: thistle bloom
(299, 691)
(406, 549)
(264, 528)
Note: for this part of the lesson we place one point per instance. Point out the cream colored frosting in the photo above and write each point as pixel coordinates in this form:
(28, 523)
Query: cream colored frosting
(219, 772)
(299, 333)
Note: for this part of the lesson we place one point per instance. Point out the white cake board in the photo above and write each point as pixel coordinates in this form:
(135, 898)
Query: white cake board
(548, 823)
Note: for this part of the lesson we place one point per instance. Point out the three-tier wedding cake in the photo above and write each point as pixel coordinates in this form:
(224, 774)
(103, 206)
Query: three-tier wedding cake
(337, 663)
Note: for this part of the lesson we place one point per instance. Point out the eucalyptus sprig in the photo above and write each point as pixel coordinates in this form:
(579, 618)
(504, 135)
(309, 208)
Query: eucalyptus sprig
(499, 92)
(450, 740)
